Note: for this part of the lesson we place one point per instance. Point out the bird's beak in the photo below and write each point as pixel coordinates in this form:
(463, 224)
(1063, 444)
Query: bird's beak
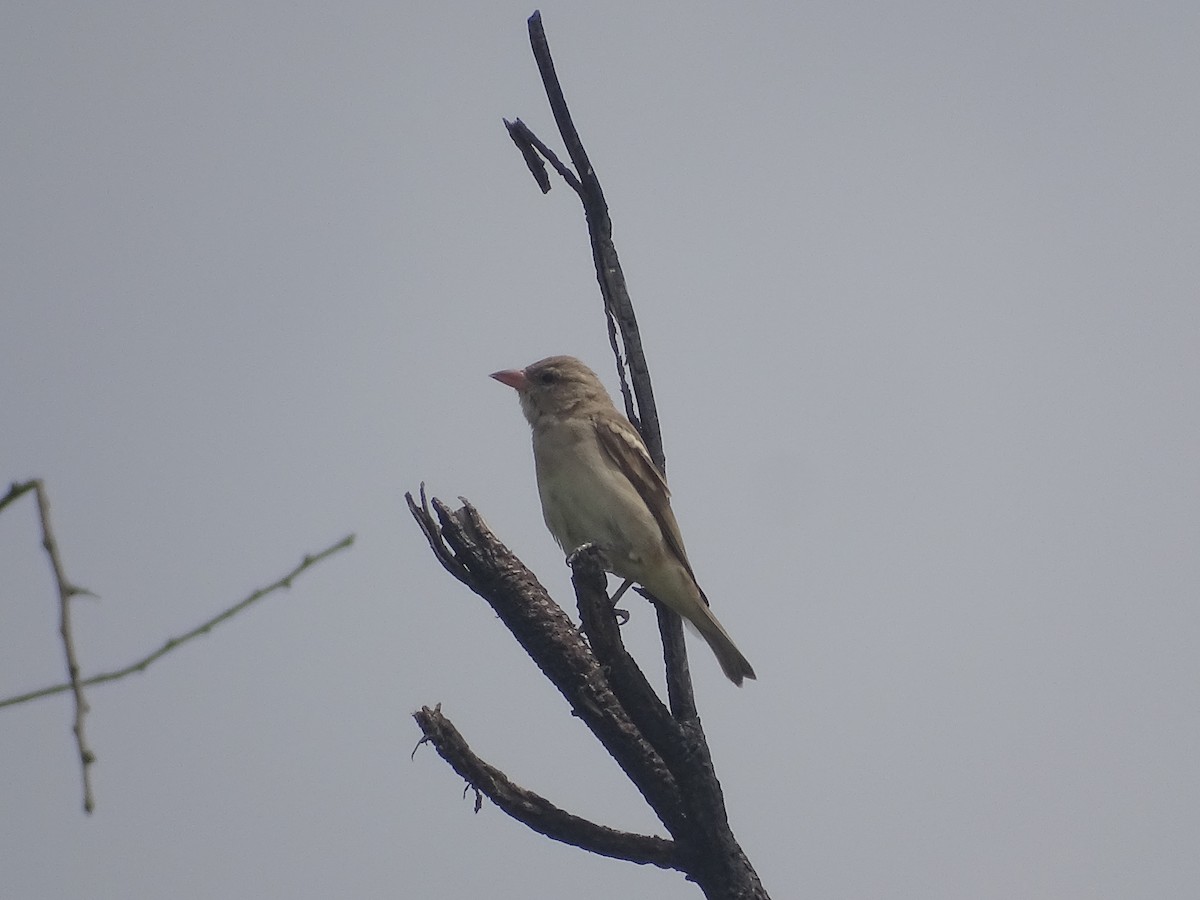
(514, 378)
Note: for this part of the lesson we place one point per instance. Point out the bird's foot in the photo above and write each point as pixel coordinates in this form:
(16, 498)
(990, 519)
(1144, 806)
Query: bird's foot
(589, 547)
(621, 614)
(598, 554)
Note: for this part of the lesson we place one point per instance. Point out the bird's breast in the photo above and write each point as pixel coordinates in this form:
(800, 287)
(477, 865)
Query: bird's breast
(587, 499)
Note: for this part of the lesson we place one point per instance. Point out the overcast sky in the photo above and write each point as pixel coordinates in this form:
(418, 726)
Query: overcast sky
(920, 289)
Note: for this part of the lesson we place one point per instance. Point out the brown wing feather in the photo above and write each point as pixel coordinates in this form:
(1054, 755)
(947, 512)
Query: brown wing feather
(624, 447)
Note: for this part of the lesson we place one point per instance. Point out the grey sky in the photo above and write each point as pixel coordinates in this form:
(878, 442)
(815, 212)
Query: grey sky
(920, 290)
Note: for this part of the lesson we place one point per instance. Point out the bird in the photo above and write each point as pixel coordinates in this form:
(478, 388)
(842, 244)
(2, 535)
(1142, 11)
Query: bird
(599, 486)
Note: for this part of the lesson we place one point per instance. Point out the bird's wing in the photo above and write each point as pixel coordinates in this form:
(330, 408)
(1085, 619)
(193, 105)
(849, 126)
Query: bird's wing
(621, 442)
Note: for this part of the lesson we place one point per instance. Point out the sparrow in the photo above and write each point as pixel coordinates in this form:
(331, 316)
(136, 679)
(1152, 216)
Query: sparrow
(599, 486)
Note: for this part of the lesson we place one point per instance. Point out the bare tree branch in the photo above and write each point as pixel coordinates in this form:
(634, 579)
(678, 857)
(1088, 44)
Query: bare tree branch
(608, 267)
(554, 643)
(66, 591)
(619, 315)
(203, 628)
(534, 810)
(681, 744)
(628, 681)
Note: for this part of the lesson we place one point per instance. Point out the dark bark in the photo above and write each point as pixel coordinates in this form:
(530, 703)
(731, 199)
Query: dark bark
(467, 548)
(536, 811)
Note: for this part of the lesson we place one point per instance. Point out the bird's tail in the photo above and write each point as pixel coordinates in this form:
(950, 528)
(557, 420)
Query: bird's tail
(735, 666)
(677, 588)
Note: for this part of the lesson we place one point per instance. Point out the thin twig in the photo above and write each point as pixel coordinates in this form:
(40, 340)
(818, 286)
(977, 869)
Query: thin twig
(15, 490)
(66, 591)
(203, 628)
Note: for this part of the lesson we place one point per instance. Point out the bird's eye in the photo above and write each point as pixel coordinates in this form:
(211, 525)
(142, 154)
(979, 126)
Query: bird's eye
(548, 377)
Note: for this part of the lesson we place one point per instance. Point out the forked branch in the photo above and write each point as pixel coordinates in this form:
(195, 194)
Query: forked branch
(664, 753)
(67, 591)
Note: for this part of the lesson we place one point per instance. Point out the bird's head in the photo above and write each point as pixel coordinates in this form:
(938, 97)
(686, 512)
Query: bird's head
(556, 386)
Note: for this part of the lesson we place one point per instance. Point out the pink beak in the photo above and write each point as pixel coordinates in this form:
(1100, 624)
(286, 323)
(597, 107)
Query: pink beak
(514, 378)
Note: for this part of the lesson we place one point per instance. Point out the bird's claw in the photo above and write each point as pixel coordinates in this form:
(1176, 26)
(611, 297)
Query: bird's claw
(581, 549)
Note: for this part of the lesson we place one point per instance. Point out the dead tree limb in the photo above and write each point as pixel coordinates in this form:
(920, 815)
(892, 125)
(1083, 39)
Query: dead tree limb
(553, 642)
(536, 811)
(663, 752)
